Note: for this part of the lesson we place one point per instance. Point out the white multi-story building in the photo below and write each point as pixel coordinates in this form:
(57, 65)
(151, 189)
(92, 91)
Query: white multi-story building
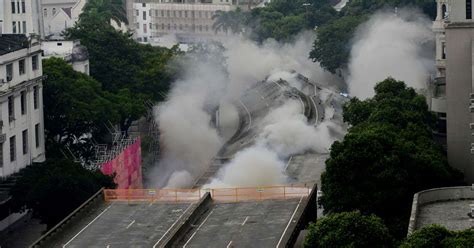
(21, 17)
(59, 15)
(187, 20)
(453, 87)
(71, 51)
(21, 103)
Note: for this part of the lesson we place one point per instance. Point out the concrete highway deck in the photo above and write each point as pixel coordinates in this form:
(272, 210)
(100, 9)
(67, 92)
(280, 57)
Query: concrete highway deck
(244, 224)
(120, 224)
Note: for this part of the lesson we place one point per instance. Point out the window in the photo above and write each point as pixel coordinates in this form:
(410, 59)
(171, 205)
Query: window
(23, 102)
(144, 15)
(12, 149)
(11, 108)
(185, 14)
(18, 7)
(34, 62)
(14, 27)
(145, 39)
(24, 27)
(150, 13)
(19, 27)
(443, 51)
(21, 67)
(149, 26)
(1, 155)
(13, 6)
(167, 13)
(45, 12)
(54, 11)
(37, 137)
(443, 11)
(162, 13)
(468, 9)
(163, 26)
(24, 138)
(137, 13)
(144, 28)
(35, 97)
(143, 5)
(23, 6)
(9, 72)
(156, 12)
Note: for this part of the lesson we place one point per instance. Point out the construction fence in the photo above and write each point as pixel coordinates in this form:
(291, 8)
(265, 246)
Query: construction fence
(219, 195)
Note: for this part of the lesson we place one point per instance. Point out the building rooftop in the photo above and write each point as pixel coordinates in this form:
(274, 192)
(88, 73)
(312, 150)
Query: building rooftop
(12, 42)
(450, 214)
(448, 207)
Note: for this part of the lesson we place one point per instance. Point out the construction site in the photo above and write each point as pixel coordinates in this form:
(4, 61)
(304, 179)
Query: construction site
(205, 215)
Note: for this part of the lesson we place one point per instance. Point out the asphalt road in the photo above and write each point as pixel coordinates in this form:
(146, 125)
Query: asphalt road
(245, 224)
(124, 225)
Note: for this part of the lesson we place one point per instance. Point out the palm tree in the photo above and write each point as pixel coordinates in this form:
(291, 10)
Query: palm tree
(228, 20)
(110, 9)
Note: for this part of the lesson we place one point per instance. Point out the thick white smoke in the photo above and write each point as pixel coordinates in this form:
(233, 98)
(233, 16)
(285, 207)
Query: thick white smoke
(391, 45)
(283, 132)
(189, 142)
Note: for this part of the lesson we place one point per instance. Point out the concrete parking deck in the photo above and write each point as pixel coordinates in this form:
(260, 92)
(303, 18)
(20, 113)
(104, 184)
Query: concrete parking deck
(244, 224)
(451, 214)
(120, 224)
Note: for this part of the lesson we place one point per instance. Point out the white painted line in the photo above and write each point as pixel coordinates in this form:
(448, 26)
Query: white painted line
(199, 227)
(289, 222)
(167, 231)
(248, 113)
(288, 164)
(90, 223)
(245, 221)
(131, 223)
(230, 244)
(108, 246)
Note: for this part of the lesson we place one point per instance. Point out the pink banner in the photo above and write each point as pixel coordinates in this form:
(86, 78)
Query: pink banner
(127, 167)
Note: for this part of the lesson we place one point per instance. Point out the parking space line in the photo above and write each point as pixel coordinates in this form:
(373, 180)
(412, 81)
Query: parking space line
(131, 223)
(246, 218)
(199, 227)
(289, 222)
(90, 223)
(167, 231)
(230, 244)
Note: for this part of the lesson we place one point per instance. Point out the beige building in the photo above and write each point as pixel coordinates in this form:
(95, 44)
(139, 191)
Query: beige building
(453, 95)
(187, 21)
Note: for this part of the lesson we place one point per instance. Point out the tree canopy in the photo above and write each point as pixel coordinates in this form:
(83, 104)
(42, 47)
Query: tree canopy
(332, 45)
(386, 157)
(435, 236)
(128, 71)
(348, 229)
(53, 189)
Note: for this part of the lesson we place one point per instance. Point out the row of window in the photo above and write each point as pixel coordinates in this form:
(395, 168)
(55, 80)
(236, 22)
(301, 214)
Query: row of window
(175, 26)
(15, 5)
(177, 14)
(23, 104)
(21, 67)
(17, 28)
(24, 139)
(45, 12)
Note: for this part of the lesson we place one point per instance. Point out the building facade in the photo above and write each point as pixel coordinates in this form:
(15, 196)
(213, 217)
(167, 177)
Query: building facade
(59, 15)
(72, 52)
(188, 21)
(21, 103)
(21, 17)
(453, 95)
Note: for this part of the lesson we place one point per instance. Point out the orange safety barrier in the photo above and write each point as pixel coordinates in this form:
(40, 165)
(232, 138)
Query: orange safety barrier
(219, 194)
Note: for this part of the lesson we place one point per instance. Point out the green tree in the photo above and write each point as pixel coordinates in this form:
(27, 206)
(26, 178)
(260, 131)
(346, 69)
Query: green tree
(348, 229)
(53, 189)
(333, 43)
(435, 236)
(130, 72)
(108, 9)
(75, 109)
(386, 157)
(229, 20)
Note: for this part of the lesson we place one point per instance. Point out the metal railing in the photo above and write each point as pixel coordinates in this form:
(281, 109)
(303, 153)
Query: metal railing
(218, 195)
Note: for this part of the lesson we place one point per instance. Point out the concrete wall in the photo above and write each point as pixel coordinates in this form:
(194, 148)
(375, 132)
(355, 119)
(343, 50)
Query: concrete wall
(435, 195)
(459, 79)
